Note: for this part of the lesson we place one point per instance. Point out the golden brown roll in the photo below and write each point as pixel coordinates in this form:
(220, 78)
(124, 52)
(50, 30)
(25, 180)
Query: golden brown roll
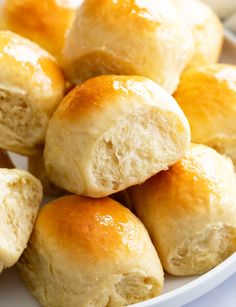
(90, 252)
(207, 95)
(20, 196)
(36, 167)
(128, 37)
(206, 28)
(190, 211)
(31, 87)
(113, 132)
(46, 21)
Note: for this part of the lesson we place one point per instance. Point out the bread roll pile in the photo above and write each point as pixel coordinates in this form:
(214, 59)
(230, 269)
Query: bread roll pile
(45, 22)
(112, 118)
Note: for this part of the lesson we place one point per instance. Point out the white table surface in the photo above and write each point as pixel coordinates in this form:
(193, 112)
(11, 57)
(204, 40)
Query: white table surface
(222, 296)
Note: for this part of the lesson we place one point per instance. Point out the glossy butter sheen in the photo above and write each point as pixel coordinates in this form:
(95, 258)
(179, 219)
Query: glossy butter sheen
(96, 93)
(35, 65)
(207, 95)
(138, 10)
(194, 184)
(45, 22)
(101, 227)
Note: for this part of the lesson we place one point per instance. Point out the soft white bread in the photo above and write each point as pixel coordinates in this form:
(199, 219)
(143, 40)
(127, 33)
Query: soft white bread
(113, 132)
(46, 21)
(206, 28)
(207, 95)
(31, 87)
(127, 37)
(5, 160)
(20, 196)
(190, 211)
(90, 252)
(36, 167)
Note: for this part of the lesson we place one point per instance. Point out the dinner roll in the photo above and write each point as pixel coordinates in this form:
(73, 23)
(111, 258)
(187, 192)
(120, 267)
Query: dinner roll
(31, 87)
(190, 211)
(206, 28)
(20, 197)
(127, 37)
(113, 132)
(207, 95)
(45, 22)
(90, 252)
(36, 167)
(5, 160)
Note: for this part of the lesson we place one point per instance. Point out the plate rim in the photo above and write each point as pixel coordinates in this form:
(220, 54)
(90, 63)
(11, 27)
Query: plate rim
(223, 271)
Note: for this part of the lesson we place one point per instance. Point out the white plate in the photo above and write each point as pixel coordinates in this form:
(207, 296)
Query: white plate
(177, 290)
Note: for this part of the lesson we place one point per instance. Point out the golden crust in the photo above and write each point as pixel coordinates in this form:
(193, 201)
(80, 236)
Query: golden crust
(207, 95)
(99, 227)
(99, 51)
(97, 93)
(143, 15)
(90, 252)
(188, 210)
(92, 95)
(85, 127)
(27, 66)
(31, 88)
(189, 183)
(45, 22)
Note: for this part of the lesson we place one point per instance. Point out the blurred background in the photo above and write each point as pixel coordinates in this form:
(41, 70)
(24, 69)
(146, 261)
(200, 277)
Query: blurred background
(226, 9)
